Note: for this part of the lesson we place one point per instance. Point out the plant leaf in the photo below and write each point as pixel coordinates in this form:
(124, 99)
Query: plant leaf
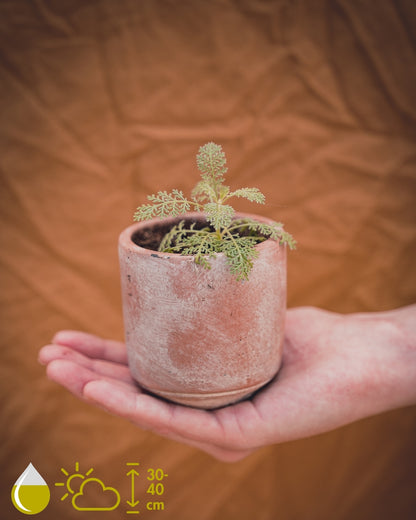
(274, 231)
(168, 242)
(211, 162)
(203, 191)
(251, 194)
(240, 253)
(163, 204)
(219, 216)
(202, 244)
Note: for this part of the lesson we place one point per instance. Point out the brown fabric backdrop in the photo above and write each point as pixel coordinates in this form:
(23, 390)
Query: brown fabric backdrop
(103, 102)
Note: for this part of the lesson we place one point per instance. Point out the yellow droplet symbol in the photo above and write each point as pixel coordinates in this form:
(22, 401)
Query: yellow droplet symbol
(30, 493)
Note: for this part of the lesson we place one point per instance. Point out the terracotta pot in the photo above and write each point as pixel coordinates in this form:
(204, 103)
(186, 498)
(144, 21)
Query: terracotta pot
(199, 337)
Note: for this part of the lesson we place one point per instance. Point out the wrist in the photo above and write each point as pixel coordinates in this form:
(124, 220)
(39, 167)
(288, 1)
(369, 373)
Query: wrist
(403, 344)
(382, 376)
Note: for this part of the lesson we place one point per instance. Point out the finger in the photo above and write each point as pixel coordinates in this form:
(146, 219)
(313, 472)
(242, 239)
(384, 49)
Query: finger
(153, 414)
(104, 392)
(92, 346)
(146, 410)
(111, 369)
(74, 377)
(218, 452)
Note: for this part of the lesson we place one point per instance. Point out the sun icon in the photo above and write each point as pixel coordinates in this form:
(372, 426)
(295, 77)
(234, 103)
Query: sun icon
(71, 478)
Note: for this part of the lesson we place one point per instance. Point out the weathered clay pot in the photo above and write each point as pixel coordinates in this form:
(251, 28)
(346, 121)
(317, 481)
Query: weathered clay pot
(199, 337)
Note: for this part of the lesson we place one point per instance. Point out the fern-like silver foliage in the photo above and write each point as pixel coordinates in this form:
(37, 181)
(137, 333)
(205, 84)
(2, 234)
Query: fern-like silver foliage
(236, 238)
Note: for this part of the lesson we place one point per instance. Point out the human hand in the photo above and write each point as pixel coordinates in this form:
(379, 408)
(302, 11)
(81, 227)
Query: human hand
(336, 369)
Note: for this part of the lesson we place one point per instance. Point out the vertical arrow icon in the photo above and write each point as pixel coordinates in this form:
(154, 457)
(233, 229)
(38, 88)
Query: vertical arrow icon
(132, 474)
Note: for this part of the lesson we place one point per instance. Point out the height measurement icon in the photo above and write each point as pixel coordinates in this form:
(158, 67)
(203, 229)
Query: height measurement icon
(155, 488)
(132, 474)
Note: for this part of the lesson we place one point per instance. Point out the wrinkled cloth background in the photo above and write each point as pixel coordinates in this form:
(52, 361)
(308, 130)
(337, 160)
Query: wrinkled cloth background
(103, 102)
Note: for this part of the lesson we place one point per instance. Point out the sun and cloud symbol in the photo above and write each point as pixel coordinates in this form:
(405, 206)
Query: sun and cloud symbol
(88, 493)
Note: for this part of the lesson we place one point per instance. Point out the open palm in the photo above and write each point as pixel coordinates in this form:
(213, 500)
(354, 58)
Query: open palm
(336, 369)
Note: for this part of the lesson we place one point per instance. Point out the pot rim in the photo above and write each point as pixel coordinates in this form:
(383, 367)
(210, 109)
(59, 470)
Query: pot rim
(127, 243)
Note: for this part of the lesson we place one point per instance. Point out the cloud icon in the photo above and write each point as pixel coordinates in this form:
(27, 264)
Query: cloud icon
(99, 497)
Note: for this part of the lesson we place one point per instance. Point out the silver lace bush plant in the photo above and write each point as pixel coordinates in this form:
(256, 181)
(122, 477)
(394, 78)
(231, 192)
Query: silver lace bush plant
(224, 233)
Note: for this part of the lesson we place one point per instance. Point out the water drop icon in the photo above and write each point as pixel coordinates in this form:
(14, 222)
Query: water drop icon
(30, 493)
